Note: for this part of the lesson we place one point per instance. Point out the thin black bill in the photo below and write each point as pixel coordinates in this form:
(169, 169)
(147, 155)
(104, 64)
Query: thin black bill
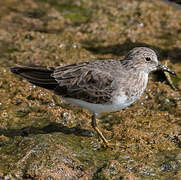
(164, 68)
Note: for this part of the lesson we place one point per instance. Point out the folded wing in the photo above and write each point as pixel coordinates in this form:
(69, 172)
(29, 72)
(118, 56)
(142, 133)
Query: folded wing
(38, 75)
(84, 81)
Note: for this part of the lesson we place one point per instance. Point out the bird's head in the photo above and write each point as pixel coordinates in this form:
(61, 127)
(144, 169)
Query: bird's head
(145, 59)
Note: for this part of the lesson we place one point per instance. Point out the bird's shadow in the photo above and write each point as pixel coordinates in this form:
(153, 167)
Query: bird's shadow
(51, 128)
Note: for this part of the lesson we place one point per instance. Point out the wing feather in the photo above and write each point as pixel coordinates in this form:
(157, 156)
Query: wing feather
(85, 82)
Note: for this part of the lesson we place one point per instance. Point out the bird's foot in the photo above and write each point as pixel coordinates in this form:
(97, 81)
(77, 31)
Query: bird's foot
(111, 144)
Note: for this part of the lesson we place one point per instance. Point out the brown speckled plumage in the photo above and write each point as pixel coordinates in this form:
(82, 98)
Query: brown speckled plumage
(100, 86)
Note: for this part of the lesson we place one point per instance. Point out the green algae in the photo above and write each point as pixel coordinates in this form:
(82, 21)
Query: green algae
(42, 137)
(76, 13)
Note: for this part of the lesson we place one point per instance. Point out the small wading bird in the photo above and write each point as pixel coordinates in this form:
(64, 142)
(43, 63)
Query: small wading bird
(99, 86)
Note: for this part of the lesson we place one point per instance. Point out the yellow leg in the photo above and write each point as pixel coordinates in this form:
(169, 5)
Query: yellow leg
(94, 125)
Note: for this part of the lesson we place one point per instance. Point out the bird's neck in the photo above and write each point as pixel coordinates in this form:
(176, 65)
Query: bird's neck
(139, 82)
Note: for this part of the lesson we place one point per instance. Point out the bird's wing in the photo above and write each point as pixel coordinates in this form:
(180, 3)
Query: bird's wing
(38, 75)
(84, 81)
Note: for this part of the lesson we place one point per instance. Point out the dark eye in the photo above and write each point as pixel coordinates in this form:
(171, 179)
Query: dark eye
(148, 59)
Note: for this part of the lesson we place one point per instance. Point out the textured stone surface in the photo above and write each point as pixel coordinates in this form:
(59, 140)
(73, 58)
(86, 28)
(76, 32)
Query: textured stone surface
(41, 137)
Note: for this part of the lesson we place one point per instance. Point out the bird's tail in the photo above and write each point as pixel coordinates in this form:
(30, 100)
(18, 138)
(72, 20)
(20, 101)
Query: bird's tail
(38, 75)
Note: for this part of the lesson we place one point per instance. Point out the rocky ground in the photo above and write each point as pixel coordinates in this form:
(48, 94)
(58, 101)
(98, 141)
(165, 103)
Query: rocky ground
(41, 137)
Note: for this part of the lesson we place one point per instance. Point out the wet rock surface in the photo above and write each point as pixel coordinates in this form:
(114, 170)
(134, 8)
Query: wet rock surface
(41, 137)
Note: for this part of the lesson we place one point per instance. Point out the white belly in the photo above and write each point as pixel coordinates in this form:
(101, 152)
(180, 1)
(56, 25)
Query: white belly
(119, 103)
